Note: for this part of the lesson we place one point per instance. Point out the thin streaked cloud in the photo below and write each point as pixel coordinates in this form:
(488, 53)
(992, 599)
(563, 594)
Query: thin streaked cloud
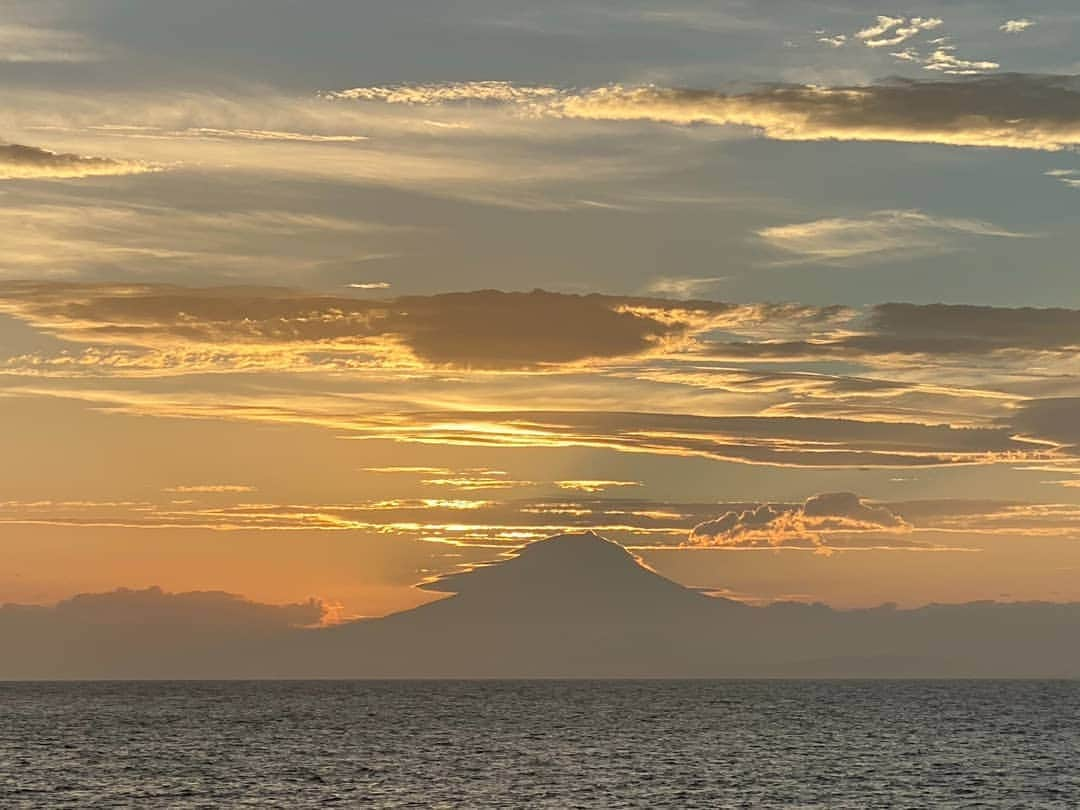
(880, 235)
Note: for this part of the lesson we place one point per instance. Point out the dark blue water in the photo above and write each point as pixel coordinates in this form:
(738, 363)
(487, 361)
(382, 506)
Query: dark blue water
(610, 744)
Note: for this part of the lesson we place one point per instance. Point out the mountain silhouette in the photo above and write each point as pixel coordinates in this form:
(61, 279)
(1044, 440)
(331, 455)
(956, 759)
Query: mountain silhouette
(571, 606)
(572, 603)
(567, 577)
(578, 605)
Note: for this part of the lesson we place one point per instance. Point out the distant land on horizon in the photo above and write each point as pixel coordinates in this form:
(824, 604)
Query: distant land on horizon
(572, 606)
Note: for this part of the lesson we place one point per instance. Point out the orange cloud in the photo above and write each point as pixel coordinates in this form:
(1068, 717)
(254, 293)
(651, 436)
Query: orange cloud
(807, 525)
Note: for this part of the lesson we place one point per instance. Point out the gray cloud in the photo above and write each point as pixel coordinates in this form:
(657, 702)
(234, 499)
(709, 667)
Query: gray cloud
(1016, 110)
(37, 43)
(149, 633)
(1052, 420)
(483, 329)
(19, 162)
(212, 609)
(932, 330)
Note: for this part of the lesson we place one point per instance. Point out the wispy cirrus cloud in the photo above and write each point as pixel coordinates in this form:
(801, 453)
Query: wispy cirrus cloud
(879, 235)
(1068, 177)
(40, 43)
(63, 238)
(376, 142)
(683, 287)
(773, 440)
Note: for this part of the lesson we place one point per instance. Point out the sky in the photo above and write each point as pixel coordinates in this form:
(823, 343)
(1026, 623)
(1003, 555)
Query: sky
(322, 300)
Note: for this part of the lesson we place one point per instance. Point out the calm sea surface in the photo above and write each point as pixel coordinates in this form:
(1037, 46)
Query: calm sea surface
(601, 744)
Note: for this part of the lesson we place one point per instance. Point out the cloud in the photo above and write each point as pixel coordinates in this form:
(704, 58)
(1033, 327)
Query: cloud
(907, 55)
(39, 44)
(890, 31)
(212, 489)
(1069, 177)
(1016, 26)
(952, 327)
(1019, 111)
(683, 287)
(838, 519)
(486, 329)
(808, 525)
(18, 162)
(834, 41)
(883, 25)
(772, 440)
(265, 135)
(110, 239)
(910, 440)
(476, 481)
(375, 142)
(879, 235)
(595, 486)
(211, 609)
(1053, 420)
(483, 91)
(943, 60)
(410, 470)
(636, 375)
(936, 331)
(1016, 111)
(149, 633)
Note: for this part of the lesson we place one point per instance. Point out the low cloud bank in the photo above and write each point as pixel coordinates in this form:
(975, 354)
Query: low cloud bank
(804, 526)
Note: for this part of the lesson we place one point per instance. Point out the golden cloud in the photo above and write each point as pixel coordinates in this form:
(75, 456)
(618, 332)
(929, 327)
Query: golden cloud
(18, 162)
(1019, 111)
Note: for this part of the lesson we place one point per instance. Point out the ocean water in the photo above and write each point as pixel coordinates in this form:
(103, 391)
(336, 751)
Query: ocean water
(534, 744)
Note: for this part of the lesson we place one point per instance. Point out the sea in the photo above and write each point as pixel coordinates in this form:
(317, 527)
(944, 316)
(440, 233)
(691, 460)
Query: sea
(541, 744)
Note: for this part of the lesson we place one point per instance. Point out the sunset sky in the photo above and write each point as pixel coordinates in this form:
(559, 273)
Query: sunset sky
(323, 299)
